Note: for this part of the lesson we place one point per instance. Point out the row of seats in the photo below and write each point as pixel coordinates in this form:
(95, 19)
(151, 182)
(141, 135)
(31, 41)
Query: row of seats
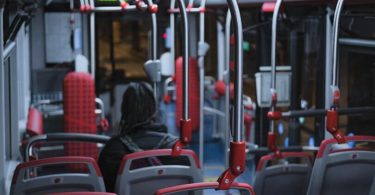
(333, 171)
(135, 176)
(338, 169)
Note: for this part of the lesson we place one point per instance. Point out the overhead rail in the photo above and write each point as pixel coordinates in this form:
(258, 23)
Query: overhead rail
(323, 112)
(140, 5)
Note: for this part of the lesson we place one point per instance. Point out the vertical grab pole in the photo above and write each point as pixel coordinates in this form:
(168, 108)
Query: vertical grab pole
(227, 83)
(201, 78)
(153, 9)
(185, 132)
(2, 101)
(172, 33)
(238, 87)
(336, 23)
(332, 119)
(273, 114)
(237, 146)
(92, 40)
(185, 52)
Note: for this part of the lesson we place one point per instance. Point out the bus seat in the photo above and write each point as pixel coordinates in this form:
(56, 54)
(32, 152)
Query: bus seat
(285, 178)
(344, 171)
(83, 193)
(34, 125)
(147, 179)
(79, 115)
(57, 139)
(205, 188)
(36, 177)
(194, 94)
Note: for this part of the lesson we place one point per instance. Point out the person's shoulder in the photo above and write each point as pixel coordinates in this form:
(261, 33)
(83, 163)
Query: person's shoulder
(168, 140)
(156, 127)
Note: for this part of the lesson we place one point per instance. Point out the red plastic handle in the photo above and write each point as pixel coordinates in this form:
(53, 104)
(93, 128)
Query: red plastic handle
(273, 97)
(332, 125)
(185, 131)
(153, 8)
(275, 115)
(167, 99)
(104, 124)
(139, 4)
(248, 120)
(236, 165)
(185, 137)
(271, 143)
(220, 88)
(336, 97)
(124, 5)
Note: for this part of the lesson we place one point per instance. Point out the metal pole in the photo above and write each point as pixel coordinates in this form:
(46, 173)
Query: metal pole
(328, 61)
(2, 106)
(336, 23)
(185, 52)
(323, 112)
(172, 34)
(92, 41)
(273, 57)
(201, 76)
(191, 3)
(114, 9)
(86, 3)
(154, 46)
(8, 49)
(154, 36)
(227, 84)
(238, 87)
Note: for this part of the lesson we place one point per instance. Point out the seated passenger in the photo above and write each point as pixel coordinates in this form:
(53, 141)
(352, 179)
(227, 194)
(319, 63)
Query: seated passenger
(138, 131)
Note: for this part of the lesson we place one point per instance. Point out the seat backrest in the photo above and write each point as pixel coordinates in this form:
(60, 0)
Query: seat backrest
(38, 176)
(133, 179)
(79, 112)
(34, 125)
(82, 193)
(344, 170)
(205, 188)
(286, 178)
(194, 94)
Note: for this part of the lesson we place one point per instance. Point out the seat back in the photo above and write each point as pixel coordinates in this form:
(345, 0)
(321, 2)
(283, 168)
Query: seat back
(205, 188)
(135, 179)
(38, 176)
(286, 178)
(344, 170)
(33, 144)
(194, 93)
(79, 112)
(34, 125)
(83, 193)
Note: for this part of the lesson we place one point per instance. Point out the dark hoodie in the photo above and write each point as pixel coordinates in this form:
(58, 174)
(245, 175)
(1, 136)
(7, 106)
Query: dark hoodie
(148, 137)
